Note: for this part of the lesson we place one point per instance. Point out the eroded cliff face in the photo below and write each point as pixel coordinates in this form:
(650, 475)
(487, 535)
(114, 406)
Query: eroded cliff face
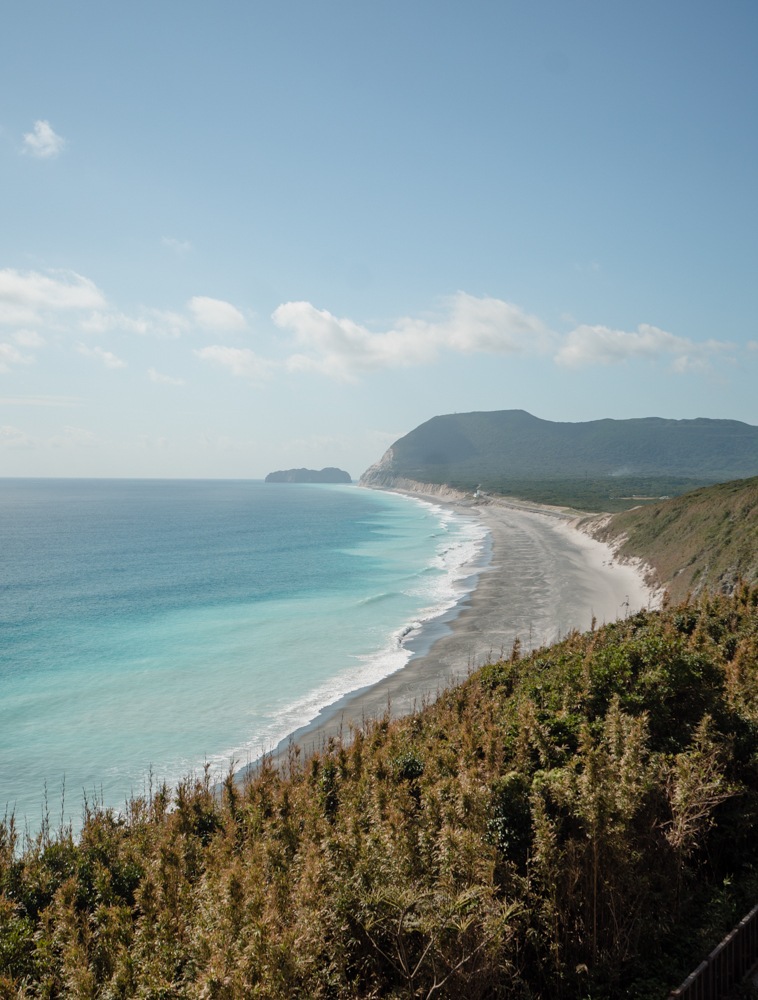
(386, 480)
(380, 474)
(427, 489)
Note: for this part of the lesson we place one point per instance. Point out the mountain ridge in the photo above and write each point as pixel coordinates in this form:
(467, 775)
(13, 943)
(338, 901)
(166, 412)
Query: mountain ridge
(583, 464)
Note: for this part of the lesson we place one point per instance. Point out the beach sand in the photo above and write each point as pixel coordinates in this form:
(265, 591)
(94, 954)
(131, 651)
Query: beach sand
(571, 579)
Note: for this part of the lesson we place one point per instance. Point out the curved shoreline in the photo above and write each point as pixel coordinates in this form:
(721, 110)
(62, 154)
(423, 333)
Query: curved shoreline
(586, 583)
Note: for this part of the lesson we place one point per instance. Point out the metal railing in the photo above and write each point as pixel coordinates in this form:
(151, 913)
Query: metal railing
(727, 964)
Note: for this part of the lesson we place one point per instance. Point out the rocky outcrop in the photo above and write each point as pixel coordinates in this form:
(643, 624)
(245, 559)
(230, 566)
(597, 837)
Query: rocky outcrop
(328, 475)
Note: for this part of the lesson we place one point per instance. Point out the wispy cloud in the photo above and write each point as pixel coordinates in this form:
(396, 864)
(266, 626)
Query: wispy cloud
(14, 437)
(10, 355)
(28, 338)
(56, 401)
(43, 142)
(66, 437)
(155, 376)
(107, 358)
(588, 267)
(240, 361)
(72, 437)
(162, 323)
(180, 247)
(216, 314)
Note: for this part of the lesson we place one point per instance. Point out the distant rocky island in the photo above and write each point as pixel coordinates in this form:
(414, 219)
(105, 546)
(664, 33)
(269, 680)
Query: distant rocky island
(328, 475)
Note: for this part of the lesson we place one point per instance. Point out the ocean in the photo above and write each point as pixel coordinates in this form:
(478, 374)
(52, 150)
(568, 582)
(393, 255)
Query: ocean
(151, 627)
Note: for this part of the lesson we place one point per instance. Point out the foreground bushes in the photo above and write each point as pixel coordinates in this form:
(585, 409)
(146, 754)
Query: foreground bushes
(534, 833)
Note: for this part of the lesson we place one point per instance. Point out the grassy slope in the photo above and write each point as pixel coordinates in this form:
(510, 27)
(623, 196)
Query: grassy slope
(581, 822)
(704, 540)
(600, 494)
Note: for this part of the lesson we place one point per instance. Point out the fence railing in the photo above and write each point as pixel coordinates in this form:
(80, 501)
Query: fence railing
(727, 964)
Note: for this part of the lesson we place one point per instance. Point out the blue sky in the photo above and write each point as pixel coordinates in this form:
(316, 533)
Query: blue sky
(243, 236)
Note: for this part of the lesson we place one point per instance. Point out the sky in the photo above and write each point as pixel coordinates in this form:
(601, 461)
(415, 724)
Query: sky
(244, 236)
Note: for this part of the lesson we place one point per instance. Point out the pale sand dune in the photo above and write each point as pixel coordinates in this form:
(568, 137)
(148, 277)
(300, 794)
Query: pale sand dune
(544, 579)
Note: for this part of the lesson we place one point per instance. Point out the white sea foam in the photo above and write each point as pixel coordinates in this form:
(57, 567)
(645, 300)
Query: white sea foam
(455, 565)
(151, 627)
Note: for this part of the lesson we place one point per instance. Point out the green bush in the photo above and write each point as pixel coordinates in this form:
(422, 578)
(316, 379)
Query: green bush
(582, 821)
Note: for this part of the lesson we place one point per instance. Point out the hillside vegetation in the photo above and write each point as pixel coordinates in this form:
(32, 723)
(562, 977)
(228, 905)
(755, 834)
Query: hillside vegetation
(704, 540)
(597, 465)
(579, 822)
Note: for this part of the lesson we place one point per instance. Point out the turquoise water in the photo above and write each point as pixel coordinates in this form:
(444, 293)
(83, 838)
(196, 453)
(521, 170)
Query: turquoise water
(153, 626)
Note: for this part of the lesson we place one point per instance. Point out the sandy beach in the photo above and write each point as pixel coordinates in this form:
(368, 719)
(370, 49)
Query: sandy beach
(571, 579)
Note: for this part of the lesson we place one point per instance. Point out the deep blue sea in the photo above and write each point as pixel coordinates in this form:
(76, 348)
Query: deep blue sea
(148, 627)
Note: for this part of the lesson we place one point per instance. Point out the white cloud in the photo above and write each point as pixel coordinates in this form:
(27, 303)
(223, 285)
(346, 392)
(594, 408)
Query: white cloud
(61, 301)
(150, 323)
(106, 357)
(104, 322)
(155, 376)
(66, 437)
(601, 345)
(10, 355)
(72, 437)
(342, 348)
(28, 338)
(494, 327)
(63, 304)
(240, 361)
(43, 142)
(165, 323)
(14, 437)
(152, 443)
(215, 314)
(27, 298)
(40, 401)
(752, 345)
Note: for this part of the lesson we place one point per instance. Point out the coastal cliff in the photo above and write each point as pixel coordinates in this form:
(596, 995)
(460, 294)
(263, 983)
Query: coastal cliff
(380, 477)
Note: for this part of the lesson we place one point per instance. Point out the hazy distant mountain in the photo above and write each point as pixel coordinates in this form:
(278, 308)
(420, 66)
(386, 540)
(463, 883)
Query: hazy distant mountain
(328, 475)
(503, 446)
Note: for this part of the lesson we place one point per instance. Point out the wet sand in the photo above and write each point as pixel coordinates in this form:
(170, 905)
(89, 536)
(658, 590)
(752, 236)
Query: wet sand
(543, 579)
